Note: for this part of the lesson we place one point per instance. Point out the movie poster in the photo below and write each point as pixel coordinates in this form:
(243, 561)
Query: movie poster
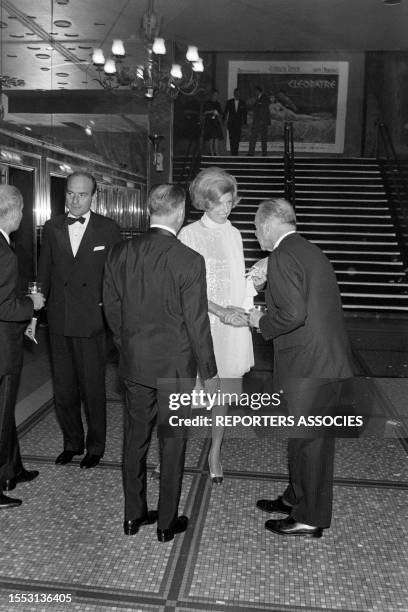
(311, 95)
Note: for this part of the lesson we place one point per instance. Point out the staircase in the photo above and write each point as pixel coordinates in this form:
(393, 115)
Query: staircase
(341, 206)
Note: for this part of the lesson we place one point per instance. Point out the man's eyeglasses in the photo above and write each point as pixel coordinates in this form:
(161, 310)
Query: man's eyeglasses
(81, 196)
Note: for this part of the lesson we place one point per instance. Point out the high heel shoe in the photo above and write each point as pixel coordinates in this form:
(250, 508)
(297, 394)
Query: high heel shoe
(215, 478)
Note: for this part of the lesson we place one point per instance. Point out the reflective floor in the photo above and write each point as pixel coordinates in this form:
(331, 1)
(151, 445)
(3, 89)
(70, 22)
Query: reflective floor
(67, 539)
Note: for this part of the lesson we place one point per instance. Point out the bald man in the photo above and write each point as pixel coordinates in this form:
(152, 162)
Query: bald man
(311, 357)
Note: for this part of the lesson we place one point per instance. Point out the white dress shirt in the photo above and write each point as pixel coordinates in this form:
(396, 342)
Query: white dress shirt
(76, 231)
(5, 235)
(277, 243)
(165, 227)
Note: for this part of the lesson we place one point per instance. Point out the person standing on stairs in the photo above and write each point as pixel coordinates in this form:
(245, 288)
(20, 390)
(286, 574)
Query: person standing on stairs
(236, 116)
(213, 129)
(260, 121)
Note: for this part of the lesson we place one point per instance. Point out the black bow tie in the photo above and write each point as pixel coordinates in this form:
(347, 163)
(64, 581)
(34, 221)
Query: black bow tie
(72, 220)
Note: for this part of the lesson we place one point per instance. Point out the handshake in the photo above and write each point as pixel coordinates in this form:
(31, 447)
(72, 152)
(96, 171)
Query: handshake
(238, 317)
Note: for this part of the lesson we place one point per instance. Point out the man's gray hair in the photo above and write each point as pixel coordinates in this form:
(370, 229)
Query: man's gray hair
(165, 199)
(11, 200)
(278, 208)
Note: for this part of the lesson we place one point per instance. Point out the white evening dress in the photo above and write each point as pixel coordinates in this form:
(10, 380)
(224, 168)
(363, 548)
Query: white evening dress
(221, 247)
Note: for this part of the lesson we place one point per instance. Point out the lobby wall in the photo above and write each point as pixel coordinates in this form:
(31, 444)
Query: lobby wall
(387, 99)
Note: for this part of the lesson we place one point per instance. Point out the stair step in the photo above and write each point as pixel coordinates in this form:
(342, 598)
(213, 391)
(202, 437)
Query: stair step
(365, 261)
(353, 259)
(344, 192)
(386, 276)
(402, 288)
(387, 227)
(338, 240)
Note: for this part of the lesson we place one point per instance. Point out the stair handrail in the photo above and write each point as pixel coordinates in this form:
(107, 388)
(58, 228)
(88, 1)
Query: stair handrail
(393, 178)
(289, 163)
(384, 137)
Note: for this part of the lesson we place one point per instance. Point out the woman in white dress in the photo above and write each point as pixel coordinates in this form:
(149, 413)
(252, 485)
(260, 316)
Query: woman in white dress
(230, 295)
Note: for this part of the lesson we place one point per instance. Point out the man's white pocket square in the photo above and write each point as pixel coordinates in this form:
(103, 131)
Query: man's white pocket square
(99, 248)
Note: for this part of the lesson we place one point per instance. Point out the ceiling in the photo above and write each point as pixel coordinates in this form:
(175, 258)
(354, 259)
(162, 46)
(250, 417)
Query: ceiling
(49, 43)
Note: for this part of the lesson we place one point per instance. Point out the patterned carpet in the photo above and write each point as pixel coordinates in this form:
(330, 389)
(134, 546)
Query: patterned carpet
(67, 539)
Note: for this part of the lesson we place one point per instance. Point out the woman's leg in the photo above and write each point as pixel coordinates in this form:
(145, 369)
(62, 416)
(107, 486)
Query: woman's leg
(217, 434)
(212, 148)
(231, 387)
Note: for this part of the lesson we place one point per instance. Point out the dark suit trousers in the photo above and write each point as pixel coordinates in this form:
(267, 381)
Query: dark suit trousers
(310, 488)
(79, 373)
(234, 133)
(311, 458)
(10, 459)
(258, 129)
(145, 405)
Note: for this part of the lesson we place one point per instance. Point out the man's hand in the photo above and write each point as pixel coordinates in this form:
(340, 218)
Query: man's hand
(212, 385)
(234, 315)
(38, 300)
(30, 330)
(254, 317)
(257, 273)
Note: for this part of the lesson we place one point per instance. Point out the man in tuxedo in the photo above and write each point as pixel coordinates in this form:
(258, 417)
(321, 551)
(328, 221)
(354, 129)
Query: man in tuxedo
(260, 121)
(155, 300)
(70, 268)
(14, 313)
(311, 359)
(236, 116)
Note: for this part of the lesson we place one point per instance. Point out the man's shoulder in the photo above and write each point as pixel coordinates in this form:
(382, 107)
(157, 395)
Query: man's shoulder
(101, 220)
(183, 254)
(56, 220)
(297, 246)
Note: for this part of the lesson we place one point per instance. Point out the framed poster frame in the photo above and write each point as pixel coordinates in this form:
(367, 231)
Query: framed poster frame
(316, 94)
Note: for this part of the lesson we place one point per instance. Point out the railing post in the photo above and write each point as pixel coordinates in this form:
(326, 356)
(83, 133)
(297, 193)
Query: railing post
(289, 163)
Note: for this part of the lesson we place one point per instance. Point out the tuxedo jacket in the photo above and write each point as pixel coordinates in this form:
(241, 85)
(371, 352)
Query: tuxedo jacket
(304, 314)
(15, 312)
(73, 285)
(261, 114)
(155, 301)
(235, 117)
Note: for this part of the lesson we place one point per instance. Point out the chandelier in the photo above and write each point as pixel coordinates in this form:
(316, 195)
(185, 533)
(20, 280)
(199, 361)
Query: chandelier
(154, 75)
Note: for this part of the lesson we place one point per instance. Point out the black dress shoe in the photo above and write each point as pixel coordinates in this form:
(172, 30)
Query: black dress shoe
(23, 476)
(90, 461)
(289, 527)
(66, 457)
(9, 502)
(273, 505)
(179, 526)
(132, 527)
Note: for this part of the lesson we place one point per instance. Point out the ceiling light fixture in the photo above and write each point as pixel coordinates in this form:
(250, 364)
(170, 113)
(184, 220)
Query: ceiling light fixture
(153, 75)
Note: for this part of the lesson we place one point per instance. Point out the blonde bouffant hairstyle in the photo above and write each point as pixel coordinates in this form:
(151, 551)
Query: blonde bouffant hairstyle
(210, 185)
